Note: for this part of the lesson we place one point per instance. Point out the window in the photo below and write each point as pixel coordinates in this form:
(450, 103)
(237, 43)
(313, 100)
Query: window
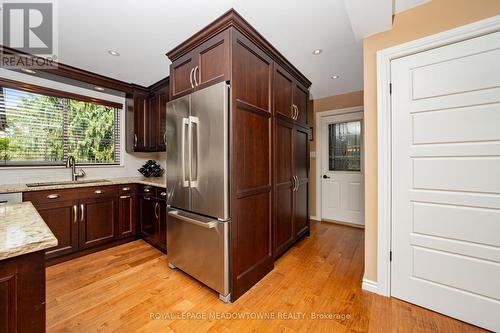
(344, 146)
(39, 129)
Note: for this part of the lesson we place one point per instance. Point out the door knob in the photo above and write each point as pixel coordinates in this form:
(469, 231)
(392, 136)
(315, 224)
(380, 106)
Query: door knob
(326, 177)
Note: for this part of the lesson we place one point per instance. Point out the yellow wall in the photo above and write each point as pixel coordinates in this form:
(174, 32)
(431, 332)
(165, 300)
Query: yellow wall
(430, 18)
(326, 104)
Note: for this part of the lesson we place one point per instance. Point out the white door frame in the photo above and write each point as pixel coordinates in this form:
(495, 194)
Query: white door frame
(384, 131)
(318, 139)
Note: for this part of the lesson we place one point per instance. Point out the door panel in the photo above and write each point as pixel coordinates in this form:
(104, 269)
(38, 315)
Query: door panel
(283, 163)
(127, 211)
(208, 123)
(62, 219)
(181, 79)
(301, 168)
(147, 219)
(283, 92)
(141, 130)
(98, 221)
(213, 60)
(300, 99)
(178, 160)
(446, 185)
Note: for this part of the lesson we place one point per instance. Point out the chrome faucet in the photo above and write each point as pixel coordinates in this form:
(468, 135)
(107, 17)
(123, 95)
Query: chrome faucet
(70, 163)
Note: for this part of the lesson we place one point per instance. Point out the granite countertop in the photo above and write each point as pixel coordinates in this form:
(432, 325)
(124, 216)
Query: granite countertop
(22, 230)
(14, 188)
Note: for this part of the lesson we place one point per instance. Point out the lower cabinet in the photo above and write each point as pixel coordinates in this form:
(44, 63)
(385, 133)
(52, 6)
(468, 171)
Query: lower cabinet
(127, 215)
(98, 221)
(153, 220)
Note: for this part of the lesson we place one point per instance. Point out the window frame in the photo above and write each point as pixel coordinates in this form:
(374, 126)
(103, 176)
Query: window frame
(37, 89)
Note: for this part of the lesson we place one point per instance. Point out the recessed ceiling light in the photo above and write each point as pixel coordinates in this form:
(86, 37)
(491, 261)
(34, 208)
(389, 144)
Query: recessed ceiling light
(99, 88)
(317, 51)
(114, 53)
(335, 77)
(27, 70)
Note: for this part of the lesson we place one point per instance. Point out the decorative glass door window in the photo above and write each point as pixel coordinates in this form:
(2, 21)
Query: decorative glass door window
(344, 146)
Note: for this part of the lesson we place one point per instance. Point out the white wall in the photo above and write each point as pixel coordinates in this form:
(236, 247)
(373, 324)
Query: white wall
(129, 164)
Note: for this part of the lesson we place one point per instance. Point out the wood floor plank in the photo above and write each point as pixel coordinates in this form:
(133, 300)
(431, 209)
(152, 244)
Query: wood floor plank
(129, 288)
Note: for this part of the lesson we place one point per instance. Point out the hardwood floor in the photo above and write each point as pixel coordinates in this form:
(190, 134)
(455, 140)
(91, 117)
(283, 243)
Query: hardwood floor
(129, 288)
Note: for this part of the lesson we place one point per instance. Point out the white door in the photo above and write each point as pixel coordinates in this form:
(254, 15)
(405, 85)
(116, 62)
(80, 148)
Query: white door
(342, 190)
(446, 180)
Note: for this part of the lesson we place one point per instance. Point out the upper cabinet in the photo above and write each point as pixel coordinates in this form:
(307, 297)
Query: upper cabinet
(146, 117)
(290, 96)
(204, 65)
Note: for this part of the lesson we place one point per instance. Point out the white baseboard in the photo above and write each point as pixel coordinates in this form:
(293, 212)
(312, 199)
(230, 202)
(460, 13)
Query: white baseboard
(370, 286)
(315, 218)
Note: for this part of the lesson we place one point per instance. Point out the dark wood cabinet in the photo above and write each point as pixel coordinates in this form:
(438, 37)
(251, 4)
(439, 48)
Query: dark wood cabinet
(268, 118)
(127, 211)
(283, 186)
(204, 65)
(62, 219)
(146, 117)
(98, 221)
(290, 96)
(22, 294)
(86, 217)
(153, 216)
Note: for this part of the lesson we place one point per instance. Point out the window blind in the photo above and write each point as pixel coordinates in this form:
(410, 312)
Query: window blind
(37, 129)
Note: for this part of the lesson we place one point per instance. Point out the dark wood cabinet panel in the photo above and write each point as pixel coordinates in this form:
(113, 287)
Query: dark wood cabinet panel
(127, 215)
(147, 219)
(283, 92)
(22, 294)
(283, 187)
(251, 158)
(141, 123)
(62, 219)
(181, 75)
(301, 167)
(98, 221)
(300, 99)
(212, 61)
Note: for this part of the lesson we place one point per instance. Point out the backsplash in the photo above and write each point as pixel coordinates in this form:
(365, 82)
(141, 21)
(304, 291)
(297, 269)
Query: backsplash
(131, 163)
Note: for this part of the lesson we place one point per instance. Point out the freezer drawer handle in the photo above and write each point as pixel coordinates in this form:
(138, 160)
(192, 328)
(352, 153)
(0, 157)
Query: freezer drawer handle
(208, 225)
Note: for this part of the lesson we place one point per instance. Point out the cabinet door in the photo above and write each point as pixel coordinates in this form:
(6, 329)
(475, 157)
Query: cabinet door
(127, 208)
(181, 75)
(152, 122)
(62, 219)
(141, 107)
(212, 61)
(147, 219)
(283, 92)
(162, 224)
(283, 186)
(98, 221)
(162, 119)
(300, 99)
(301, 167)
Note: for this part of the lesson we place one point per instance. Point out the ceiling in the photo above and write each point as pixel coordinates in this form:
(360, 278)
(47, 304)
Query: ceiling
(143, 31)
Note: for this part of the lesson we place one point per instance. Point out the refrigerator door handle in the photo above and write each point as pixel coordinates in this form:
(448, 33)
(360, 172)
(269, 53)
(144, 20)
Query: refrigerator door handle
(194, 123)
(208, 225)
(185, 179)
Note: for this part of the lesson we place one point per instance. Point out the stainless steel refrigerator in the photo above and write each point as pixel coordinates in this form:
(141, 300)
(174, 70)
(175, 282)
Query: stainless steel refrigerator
(197, 186)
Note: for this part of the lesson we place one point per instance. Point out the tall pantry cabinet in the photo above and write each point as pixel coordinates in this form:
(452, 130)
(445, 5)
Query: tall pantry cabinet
(268, 157)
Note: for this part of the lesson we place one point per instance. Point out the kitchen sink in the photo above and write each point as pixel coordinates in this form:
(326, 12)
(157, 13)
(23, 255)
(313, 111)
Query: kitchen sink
(69, 182)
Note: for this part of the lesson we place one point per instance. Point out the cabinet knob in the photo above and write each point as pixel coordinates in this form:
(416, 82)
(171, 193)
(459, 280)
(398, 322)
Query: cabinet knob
(53, 196)
(98, 192)
(126, 189)
(163, 194)
(147, 190)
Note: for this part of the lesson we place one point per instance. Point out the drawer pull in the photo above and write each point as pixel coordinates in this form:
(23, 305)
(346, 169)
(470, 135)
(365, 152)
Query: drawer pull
(126, 189)
(147, 198)
(147, 190)
(75, 213)
(163, 194)
(125, 196)
(98, 192)
(53, 196)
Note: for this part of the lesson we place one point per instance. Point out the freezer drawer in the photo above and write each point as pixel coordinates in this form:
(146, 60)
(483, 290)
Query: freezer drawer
(198, 246)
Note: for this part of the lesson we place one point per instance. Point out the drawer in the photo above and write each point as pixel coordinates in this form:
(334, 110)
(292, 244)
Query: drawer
(47, 196)
(127, 189)
(157, 192)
